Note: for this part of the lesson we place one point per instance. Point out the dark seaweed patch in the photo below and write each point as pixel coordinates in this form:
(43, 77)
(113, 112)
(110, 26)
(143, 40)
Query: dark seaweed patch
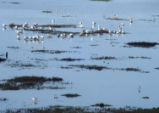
(3, 99)
(99, 68)
(93, 45)
(142, 44)
(22, 65)
(69, 59)
(76, 47)
(90, 67)
(12, 25)
(103, 58)
(101, 105)
(66, 16)
(29, 82)
(130, 69)
(47, 11)
(13, 47)
(16, 3)
(133, 69)
(52, 51)
(157, 68)
(39, 59)
(70, 95)
(136, 57)
(145, 97)
(66, 67)
(156, 15)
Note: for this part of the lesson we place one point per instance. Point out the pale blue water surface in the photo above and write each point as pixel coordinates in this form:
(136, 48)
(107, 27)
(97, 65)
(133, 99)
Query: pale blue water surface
(115, 87)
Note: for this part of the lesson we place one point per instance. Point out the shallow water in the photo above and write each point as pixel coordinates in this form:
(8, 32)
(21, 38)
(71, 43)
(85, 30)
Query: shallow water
(116, 87)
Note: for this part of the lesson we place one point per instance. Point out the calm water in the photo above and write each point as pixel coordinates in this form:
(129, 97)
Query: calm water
(115, 87)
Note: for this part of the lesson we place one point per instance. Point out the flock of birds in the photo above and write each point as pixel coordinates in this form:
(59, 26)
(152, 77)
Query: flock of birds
(40, 38)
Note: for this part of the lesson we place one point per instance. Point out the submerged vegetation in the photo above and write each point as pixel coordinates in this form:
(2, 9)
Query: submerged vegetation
(103, 58)
(30, 82)
(71, 95)
(3, 99)
(16, 3)
(142, 44)
(51, 51)
(100, 68)
(102, 105)
(47, 11)
(90, 67)
(137, 57)
(69, 59)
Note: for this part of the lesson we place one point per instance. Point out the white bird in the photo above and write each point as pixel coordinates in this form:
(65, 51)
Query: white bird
(40, 27)
(31, 27)
(18, 37)
(81, 25)
(63, 35)
(109, 31)
(49, 35)
(4, 26)
(25, 25)
(87, 31)
(36, 38)
(99, 28)
(91, 38)
(30, 38)
(103, 28)
(53, 21)
(18, 32)
(34, 99)
(35, 25)
(93, 24)
(121, 27)
(25, 38)
(16, 27)
(130, 20)
(50, 28)
(71, 35)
